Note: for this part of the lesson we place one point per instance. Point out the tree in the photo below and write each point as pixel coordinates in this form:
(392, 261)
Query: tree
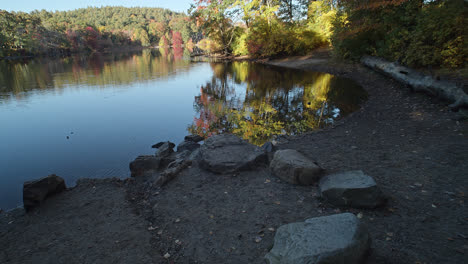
(177, 39)
(215, 19)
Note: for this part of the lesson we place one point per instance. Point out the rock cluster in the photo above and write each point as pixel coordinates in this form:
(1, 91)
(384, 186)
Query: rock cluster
(166, 164)
(340, 238)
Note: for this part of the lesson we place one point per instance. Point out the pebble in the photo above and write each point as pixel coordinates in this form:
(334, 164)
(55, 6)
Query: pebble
(167, 255)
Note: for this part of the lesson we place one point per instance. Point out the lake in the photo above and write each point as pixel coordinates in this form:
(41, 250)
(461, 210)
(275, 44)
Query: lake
(90, 116)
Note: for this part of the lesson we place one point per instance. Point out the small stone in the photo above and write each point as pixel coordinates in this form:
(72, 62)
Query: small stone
(268, 147)
(167, 255)
(271, 229)
(166, 149)
(194, 138)
(159, 144)
(177, 220)
(160, 232)
(258, 239)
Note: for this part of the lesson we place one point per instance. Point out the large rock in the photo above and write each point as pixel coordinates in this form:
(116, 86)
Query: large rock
(293, 167)
(36, 191)
(339, 238)
(226, 153)
(187, 145)
(351, 188)
(143, 164)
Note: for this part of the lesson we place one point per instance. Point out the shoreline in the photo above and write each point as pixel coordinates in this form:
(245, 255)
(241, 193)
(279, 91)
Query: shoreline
(414, 146)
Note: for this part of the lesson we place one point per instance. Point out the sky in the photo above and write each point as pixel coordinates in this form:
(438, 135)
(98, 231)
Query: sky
(61, 5)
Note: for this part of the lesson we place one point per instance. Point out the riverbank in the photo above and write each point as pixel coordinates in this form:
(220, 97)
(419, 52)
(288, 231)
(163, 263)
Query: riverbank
(413, 145)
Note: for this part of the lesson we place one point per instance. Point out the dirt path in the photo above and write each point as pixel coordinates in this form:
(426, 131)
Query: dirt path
(91, 223)
(414, 146)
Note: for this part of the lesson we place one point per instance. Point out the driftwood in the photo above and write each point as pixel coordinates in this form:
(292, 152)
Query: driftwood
(419, 82)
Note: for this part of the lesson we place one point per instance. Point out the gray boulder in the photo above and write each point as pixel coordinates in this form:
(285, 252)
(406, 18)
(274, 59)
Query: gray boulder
(226, 153)
(194, 138)
(36, 191)
(293, 167)
(187, 145)
(144, 164)
(351, 188)
(339, 238)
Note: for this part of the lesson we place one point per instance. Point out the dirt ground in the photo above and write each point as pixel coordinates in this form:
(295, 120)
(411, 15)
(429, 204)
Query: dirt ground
(413, 145)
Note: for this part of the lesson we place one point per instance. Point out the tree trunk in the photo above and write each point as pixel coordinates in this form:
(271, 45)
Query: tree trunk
(419, 82)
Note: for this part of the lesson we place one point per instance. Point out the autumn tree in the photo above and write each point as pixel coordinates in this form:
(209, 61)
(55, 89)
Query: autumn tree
(177, 39)
(215, 19)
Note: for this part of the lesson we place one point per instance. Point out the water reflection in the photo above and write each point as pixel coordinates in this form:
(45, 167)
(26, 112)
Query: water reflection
(103, 70)
(257, 102)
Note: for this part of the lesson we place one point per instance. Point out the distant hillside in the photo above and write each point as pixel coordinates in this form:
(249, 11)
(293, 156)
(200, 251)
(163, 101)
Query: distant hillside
(90, 29)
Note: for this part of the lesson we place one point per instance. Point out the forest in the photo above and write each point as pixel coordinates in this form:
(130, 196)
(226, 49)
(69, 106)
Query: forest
(91, 29)
(418, 33)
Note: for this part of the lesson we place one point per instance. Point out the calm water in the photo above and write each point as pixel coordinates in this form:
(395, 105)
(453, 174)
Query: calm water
(90, 116)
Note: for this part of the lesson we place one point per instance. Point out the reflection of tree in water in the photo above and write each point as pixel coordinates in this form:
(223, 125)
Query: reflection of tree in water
(97, 69)
(257, 102)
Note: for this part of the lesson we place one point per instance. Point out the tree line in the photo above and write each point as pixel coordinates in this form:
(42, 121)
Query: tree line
(413, 32)
(91, 29)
